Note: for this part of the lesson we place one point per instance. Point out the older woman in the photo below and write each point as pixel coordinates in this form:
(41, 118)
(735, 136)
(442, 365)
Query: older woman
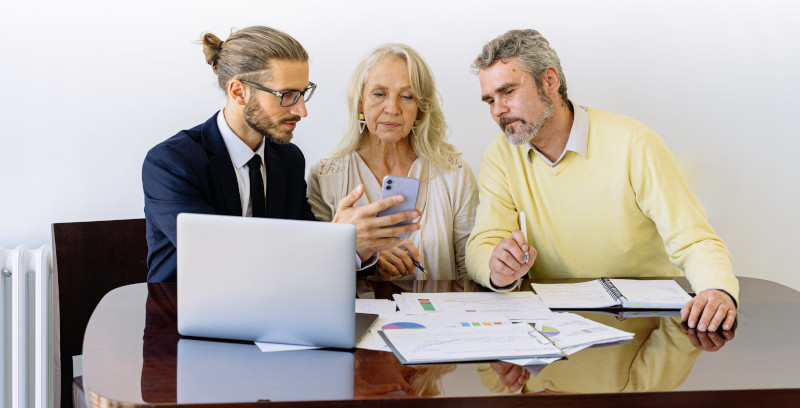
(396, 127)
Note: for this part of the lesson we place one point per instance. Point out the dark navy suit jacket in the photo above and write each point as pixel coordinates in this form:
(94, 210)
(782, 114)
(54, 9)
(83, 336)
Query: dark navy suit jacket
(192, 172)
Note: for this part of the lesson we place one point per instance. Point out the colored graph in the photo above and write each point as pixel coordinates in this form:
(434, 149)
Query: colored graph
(468, 324)
(550, 331)
(426, 305)
(402, 325)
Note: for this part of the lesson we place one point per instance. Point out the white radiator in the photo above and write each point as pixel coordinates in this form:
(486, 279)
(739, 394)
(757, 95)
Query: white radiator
(27, 365)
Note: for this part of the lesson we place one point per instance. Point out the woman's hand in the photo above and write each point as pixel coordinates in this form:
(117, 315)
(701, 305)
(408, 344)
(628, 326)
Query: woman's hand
(373, 233)
(397, 261)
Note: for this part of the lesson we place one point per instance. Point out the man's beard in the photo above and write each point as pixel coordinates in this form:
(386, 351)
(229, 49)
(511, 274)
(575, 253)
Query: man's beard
(265, 125)
(527, 131)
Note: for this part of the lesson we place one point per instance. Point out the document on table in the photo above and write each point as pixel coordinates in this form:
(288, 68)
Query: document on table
(651, 293)
(573, 333)
(401, 321)
(570, 330)
(589, 294)
(468, 344)
(379, 307)
(517, 306)
(606, 293)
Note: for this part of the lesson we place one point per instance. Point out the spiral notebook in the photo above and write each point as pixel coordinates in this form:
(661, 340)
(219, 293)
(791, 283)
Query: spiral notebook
(613, 293)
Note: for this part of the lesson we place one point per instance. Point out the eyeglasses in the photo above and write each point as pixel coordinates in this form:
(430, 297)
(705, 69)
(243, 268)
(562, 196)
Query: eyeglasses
(287, 98)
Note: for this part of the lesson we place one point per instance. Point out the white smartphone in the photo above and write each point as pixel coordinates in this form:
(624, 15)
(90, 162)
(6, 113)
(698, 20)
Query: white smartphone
(407, 187)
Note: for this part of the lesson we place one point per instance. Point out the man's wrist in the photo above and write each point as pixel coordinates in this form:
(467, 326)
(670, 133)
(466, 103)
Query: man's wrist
(494, 286)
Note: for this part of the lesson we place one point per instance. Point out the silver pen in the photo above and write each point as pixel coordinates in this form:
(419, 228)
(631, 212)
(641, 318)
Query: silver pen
(524, 227)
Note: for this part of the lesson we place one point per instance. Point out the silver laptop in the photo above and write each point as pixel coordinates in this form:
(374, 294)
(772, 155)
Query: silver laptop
(270, 280)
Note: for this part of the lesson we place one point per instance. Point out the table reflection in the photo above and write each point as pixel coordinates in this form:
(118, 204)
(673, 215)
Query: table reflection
(379, 374)
(659, 358)
(160, 345)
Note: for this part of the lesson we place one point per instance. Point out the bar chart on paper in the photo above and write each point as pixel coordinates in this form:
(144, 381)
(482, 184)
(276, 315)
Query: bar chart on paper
(515, 306)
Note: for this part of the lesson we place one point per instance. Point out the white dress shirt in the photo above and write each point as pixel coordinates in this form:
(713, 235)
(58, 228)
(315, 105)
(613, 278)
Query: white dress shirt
(577, 142)
(241, 154)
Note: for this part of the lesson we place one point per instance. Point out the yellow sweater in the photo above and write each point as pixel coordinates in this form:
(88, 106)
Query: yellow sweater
(623, 211)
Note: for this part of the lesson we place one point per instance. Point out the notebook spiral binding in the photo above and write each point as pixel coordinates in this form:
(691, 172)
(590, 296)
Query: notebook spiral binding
(612, 290)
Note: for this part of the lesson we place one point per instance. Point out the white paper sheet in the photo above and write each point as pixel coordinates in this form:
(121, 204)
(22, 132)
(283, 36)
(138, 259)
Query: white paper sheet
(569, 330)
(402, 321)
(590, 294)
(515, 305)
(269, 347)
(467, 344)
(379, 307)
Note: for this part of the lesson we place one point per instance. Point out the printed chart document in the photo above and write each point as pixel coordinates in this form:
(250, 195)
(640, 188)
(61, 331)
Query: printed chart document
(573, 333)
(372, 340)
(570, 330)
(608, 293)
(476, 343)
(518, 306)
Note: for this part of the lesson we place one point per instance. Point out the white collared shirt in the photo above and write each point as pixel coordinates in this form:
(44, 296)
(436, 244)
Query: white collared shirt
(240, 154)
(577, 142)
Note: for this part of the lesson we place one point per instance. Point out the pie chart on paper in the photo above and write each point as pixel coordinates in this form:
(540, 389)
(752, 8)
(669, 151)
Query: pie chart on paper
(402, 325)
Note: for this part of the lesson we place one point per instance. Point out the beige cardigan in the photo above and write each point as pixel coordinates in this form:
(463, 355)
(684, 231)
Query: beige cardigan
(447, 199)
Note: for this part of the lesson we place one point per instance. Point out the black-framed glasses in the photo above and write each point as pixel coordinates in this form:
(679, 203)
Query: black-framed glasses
(288, 98)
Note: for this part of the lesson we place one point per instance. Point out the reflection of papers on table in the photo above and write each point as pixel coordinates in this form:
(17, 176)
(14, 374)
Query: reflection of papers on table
(518, 306)
(541, 362)
(658, 358)
(472, 343)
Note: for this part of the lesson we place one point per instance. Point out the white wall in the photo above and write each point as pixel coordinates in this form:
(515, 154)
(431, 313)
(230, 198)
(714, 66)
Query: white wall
(89, 86)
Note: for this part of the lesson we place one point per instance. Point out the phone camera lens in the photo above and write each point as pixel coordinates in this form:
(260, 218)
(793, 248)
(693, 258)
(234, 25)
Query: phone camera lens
(389, 181)
(388, 187)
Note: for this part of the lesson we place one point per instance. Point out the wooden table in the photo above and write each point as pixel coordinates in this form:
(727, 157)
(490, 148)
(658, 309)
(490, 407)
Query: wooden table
(133, 356)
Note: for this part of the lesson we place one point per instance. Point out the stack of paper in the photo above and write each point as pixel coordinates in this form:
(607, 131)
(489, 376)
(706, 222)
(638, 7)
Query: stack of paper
(570, 330)
(468, 344)
(464, 326)
(401, 321)
(572, 333)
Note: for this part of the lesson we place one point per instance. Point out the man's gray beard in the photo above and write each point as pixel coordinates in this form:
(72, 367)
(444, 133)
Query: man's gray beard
(525, 134)
(528, 131)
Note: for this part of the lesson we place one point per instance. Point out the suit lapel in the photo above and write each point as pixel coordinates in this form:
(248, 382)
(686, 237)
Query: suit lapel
(276, 182)
(221, 165)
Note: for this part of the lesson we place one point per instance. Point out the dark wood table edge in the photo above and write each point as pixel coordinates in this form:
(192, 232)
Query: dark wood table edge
(788, 397)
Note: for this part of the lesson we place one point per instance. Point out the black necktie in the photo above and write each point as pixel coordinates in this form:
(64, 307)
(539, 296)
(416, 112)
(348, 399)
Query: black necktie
(257, 197)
